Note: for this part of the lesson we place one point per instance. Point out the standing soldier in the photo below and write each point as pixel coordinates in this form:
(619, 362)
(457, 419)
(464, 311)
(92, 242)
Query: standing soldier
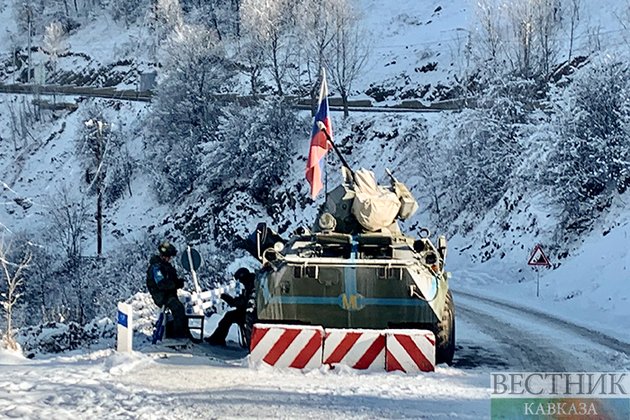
(162, 282)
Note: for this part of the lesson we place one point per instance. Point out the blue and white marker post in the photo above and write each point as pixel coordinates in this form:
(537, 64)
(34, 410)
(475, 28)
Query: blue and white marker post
(125, 327)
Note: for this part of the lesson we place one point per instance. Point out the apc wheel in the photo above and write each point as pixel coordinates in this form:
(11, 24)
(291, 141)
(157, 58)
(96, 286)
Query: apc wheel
(445, 335)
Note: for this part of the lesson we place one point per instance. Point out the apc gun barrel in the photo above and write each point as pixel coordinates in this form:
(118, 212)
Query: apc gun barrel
(393, 178)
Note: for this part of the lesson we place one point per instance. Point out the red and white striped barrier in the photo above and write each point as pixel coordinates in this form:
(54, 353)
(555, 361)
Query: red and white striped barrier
(287, 346)
(410, 350)
(308, 347)
(358, 349)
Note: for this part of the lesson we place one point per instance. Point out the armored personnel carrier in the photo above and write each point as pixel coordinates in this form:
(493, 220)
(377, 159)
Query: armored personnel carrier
(355, 268)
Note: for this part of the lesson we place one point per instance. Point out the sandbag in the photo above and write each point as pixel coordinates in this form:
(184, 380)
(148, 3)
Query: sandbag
(374, 207)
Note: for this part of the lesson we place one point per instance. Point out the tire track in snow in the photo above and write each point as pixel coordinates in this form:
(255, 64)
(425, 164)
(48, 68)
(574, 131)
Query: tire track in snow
(522, 350)
(594, 336)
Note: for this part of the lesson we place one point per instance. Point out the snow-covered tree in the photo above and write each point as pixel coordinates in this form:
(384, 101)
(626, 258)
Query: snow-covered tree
(12, 276)
(484, 147)
(127, 11)
(256, 149)
(169, 13)
(268, 25)
(348, 50)
(40, 295)
(165, 16)
(38, 14)
(489, 32)
(423, 159)
(122, 167)
(54, 42)
(315, 33)
(70, 217)
(574, 9)
(221, 16)
(589, 158)
(28, 14)
(253, 59)
(106, 160)
(187, 113)
(520, 38)
(96, 144)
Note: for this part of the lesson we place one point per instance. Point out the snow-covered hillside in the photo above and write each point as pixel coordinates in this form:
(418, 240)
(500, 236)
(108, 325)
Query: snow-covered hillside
(420, 50)
(40, 161)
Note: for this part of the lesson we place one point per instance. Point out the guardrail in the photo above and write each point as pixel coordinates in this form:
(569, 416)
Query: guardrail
(336, 104)
(111, 93)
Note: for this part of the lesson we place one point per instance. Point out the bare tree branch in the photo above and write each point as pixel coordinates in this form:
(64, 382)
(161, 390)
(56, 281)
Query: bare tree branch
(12, 274)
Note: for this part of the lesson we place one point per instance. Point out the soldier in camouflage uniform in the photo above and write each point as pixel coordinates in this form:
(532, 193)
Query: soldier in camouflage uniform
(163, 282)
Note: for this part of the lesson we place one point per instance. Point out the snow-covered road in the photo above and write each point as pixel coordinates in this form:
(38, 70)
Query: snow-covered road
(520, 338)
(207, 382)
(148, 386)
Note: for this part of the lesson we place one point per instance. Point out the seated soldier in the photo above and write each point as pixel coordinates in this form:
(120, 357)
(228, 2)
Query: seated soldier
(239, 314)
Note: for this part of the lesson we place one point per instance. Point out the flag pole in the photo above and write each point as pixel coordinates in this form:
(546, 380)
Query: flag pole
(323, 76)
(322, 127)
(320, 146)
(326, 178)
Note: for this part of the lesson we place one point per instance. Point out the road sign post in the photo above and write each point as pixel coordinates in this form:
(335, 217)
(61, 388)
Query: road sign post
(191, 261)
(537, 259)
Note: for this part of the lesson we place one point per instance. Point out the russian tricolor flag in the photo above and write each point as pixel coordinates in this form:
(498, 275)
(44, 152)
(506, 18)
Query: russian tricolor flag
(319, 142)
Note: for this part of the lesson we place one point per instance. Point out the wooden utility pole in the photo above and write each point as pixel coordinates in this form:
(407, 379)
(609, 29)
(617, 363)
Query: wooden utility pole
(97, 179)
(99, 190)
(30, 28)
